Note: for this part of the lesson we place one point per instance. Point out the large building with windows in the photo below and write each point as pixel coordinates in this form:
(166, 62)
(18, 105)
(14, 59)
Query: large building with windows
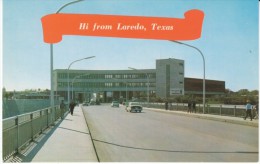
(165, 81)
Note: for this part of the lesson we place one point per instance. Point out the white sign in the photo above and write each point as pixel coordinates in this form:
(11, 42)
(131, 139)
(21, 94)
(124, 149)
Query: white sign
(176, 91)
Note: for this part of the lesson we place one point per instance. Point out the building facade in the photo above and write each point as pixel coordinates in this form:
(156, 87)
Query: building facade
(166, 80)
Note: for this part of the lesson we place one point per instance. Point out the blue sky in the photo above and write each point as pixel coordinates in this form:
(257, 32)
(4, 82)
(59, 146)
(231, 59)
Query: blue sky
(229, 41)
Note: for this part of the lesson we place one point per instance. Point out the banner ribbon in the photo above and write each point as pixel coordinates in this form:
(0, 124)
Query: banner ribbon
(161, 28)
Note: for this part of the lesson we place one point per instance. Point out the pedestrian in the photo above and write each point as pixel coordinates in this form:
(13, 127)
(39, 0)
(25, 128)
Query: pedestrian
(189, 107)
(256, 110)
(72, 105)
(166, 105)
(62, 109)
(194, 106)
(248, 110)
(170, 106)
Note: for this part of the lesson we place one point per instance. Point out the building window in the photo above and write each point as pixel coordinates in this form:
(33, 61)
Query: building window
(108, 84)
(108, 76)
(118, 76)
(62, 75)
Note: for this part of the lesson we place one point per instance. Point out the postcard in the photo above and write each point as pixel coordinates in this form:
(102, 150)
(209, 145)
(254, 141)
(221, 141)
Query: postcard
(130, 81)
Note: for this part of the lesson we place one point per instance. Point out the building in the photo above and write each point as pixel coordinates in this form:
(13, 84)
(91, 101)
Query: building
(165, 81)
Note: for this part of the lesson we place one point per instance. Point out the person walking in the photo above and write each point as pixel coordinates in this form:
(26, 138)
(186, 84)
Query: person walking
(256, 110)
(189, 107)
(170, 106)
(72, 105)
(166, 105)
(194, 106)
(62, 109)
(248, 110)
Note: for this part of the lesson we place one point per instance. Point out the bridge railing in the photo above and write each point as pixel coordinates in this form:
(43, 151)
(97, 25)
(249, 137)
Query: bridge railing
(22, 129)
(224, 110)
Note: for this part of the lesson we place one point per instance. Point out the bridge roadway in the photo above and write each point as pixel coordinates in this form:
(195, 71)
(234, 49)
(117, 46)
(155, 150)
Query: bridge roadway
(114, 135)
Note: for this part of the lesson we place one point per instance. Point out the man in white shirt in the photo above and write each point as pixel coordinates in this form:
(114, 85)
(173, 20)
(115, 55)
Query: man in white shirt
(248, 110)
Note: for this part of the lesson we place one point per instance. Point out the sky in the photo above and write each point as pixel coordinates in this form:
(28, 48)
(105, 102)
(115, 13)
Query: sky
(229, 41)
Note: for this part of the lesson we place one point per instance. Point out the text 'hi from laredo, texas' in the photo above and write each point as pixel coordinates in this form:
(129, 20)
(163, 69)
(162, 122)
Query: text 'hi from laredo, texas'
(121, 27)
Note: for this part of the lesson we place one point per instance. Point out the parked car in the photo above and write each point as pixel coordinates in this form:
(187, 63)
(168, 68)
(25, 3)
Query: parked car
(85, 104)
(88, 103)
(92, 103)
(134, 107)
(115, 104)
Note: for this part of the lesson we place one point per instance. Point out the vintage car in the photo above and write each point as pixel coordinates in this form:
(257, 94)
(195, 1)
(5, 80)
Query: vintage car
(134, 107)
(115, 104)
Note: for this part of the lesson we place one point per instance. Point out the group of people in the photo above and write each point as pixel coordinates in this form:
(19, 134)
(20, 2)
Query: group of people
(191, 107)
(249, 107)
(63, 108)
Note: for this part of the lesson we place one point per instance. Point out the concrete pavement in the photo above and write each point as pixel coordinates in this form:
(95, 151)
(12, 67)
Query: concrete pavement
(69, 140)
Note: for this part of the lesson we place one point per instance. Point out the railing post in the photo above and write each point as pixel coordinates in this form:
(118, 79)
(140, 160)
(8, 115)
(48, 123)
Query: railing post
(31, 120)
(17, 123)
(54, 114)
(235, 110)
(47, 113)
(220, 109)
(41, 120)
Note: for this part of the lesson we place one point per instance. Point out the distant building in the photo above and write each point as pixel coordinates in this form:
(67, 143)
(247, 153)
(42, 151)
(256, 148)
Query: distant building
(165, 81)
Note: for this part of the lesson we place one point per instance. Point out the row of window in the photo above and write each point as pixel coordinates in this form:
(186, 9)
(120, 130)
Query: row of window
(106, 76)
(105, 85)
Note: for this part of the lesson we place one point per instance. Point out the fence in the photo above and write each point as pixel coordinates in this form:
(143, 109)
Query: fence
(225, 110)
(22, 129)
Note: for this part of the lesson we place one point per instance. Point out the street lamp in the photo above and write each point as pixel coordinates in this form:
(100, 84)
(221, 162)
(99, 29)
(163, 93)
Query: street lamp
(203, 68)
(67, 4)
(74, 80)
(147, 81)
(51, 59)
(69, 74)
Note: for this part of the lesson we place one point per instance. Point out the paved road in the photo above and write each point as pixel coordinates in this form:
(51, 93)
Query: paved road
(120, 136)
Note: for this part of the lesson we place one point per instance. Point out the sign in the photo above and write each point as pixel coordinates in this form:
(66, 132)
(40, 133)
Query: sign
(140, 27)
(176, 91)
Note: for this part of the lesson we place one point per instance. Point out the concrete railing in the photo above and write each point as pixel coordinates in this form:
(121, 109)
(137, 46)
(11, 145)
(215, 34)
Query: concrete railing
(225, 110)
(22, 129)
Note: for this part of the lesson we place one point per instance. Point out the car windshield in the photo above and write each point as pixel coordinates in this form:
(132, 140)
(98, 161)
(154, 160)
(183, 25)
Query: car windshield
(134, 103)
(114, 102)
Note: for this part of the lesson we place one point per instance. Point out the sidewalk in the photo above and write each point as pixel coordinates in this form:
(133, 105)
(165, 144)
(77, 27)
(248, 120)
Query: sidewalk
(235, 120)
(68, 141)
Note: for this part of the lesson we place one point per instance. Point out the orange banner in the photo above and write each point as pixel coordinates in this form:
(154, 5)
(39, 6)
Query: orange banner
(162, 28)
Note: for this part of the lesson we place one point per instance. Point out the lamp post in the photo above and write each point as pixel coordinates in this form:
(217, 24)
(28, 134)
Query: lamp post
(74, 80)
(51, 56)
(69, 74)
(204, 85)
(148, 83)
(51, 61)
